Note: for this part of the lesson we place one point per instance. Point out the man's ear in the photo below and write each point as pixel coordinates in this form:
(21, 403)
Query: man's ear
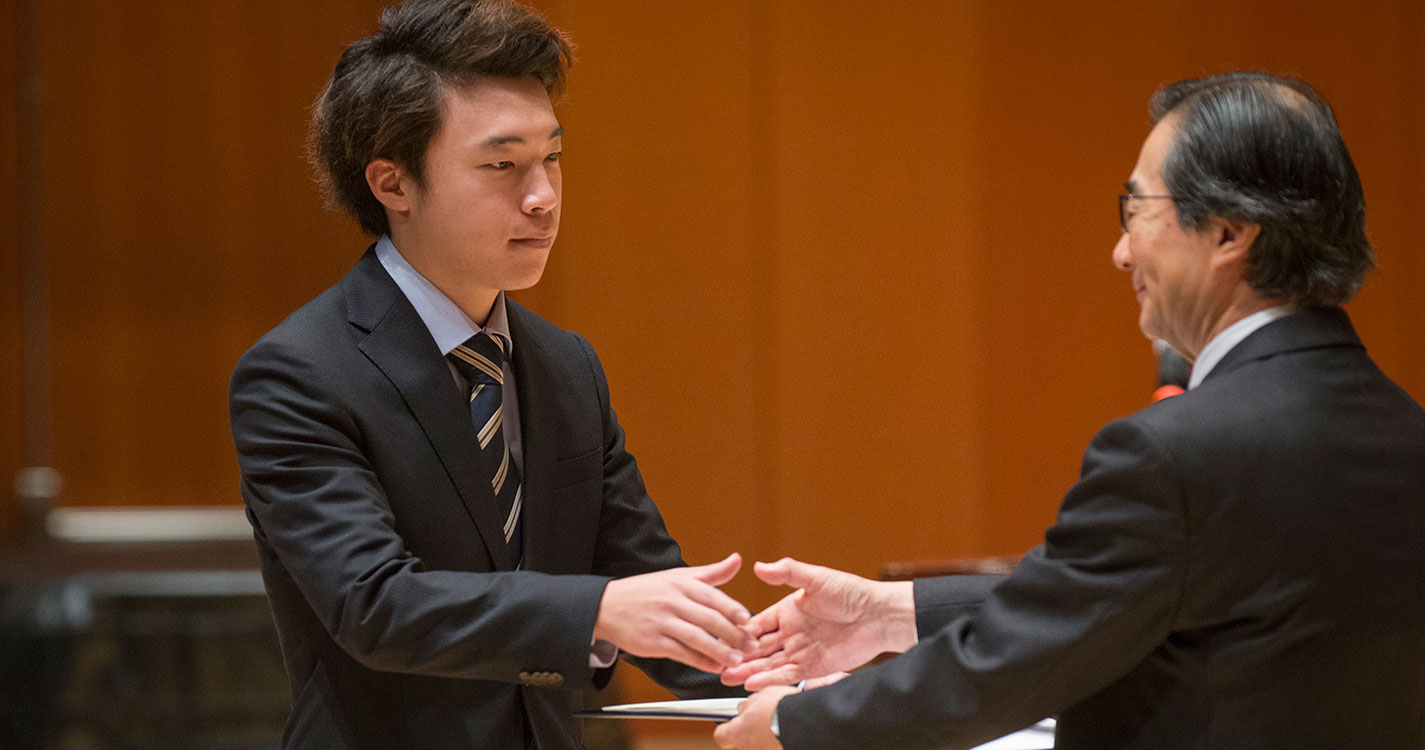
(1233, 239)
(390, 184)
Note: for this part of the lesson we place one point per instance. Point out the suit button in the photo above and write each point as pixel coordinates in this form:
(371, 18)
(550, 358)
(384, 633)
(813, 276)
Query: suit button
(541, 679)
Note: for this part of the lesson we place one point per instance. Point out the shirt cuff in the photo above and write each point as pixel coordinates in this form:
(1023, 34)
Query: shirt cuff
(602, 654)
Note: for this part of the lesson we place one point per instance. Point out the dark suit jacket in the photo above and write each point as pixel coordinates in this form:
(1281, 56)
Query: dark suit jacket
(1241, 566)
(402, 623)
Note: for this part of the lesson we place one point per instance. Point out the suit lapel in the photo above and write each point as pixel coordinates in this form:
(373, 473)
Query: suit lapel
(399, 344)
(538, 430)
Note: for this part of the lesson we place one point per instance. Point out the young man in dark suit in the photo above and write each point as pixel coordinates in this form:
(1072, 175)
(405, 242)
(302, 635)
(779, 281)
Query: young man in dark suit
(453, 536)
(1237, 567)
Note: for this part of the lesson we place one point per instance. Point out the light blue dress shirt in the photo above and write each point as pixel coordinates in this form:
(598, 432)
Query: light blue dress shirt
(451, 327)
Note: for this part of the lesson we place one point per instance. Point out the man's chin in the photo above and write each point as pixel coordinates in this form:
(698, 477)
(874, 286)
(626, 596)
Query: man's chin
(1148, 329)
(524, 282)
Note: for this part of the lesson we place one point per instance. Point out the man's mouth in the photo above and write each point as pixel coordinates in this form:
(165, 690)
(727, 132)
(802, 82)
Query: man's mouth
(534, 241)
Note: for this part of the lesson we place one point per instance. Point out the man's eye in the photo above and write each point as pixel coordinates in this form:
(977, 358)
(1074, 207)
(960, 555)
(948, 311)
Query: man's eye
(502, 164)
(554, 156)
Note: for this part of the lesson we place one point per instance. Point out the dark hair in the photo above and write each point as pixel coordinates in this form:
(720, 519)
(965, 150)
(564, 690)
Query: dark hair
(385, 97)
(1266, 149)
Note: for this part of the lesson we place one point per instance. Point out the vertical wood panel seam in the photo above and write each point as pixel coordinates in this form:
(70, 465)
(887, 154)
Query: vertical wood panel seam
(763, 79)
(34, 278)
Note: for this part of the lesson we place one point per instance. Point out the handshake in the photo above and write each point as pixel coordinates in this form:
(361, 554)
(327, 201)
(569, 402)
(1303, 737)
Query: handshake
(831, 623)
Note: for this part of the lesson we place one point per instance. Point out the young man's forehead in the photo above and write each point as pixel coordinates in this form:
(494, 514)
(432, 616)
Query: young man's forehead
(495, 113)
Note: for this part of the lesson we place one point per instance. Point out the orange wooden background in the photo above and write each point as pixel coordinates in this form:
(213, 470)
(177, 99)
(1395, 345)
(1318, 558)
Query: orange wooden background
(847, 263)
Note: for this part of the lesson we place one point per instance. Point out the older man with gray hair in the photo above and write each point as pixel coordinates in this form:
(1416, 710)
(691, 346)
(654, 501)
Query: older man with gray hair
(1237, 567)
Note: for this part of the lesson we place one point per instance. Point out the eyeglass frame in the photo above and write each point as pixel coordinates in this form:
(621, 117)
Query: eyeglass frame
(1124, 198)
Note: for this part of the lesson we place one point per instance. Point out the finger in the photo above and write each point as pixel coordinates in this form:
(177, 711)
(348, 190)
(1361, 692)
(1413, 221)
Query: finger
(695, 637)
(789, 674)
(775, 659)
(716, 628)
(768, 620)
(771, 643)
(773, 662)
(718, 573)
(725, 734)
(710, 596)
(677, 651)
(740, 673)
(764, 622)
(771, 624)
(715, 612)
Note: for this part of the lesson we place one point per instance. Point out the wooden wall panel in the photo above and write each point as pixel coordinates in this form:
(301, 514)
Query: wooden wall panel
(1382, 128)
(11, 372)
(878, 265)
(181, 222)
(1063, 112)
(661, 265)
(658, 262)
(847, 265)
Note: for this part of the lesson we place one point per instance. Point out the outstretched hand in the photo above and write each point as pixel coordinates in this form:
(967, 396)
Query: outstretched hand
(752, 727)
(678, 614)
(833, 622)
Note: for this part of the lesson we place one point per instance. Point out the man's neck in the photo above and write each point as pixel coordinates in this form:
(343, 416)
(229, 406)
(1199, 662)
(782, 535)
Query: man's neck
(1230, 337)
(475, 305)
(1242, 302)
(474, 302)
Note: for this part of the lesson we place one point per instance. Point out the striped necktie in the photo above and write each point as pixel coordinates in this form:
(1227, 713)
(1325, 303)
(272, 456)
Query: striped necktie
(481, 361)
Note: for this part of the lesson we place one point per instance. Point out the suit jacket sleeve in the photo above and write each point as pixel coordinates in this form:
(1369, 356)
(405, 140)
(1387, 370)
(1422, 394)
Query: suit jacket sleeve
(1079, 612)
(319, 506)
(941, 601)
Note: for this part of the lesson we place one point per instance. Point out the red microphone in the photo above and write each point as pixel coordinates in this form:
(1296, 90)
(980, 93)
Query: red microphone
(1173, 371)
(1166, 391)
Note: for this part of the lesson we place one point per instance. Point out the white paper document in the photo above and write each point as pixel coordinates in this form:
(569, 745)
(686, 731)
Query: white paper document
(702, 709)
(1038, 737)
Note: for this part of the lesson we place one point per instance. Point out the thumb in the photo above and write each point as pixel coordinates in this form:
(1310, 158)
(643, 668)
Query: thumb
(718, 573)
(787, 572)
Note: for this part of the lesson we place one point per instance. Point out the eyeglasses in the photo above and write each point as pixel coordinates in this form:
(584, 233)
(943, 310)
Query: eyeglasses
(1123, 201)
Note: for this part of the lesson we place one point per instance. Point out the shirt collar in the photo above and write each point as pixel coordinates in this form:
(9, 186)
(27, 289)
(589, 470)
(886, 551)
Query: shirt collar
(1229, 338)
(448, 325)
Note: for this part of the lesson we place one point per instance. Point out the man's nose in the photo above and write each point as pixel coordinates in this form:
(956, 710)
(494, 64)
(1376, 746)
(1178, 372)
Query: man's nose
(1122, 259)
(540, 194)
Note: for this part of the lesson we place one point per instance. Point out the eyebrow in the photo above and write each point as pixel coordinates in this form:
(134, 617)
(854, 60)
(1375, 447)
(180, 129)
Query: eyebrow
(505, 140)
(1131, 187)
